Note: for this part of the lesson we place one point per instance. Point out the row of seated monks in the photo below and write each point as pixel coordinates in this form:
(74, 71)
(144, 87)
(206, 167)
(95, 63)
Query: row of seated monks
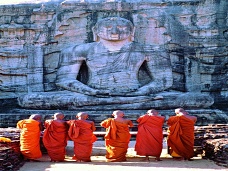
(149, 140)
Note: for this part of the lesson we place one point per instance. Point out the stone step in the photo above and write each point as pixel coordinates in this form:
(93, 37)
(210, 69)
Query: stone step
(206, 117)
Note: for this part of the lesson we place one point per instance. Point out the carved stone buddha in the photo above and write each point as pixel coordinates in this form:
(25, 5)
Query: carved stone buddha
(114, 72)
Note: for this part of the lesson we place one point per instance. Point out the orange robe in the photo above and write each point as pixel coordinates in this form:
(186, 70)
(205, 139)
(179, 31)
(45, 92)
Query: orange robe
(181, 136)
(81, 133)
(116, 140)
(30, 138)
(150, 136)
(55, 139)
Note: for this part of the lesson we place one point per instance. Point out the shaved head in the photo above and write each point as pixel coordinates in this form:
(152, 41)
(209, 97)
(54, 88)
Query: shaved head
(58, 115)
(118, 113)
(36, 117)
(82, 115)
(152, 111)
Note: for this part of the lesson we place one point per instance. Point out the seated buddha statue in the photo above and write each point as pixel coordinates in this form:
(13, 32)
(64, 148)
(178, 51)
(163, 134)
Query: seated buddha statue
(113, 72)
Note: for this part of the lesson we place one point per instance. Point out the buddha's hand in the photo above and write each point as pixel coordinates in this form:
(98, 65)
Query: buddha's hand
(109, 93)
(143, 91)
(102, 93)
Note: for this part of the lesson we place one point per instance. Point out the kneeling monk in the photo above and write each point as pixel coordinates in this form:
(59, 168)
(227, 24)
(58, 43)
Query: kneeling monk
(81, 132)
(150, 135)
(55, 137)
(181, 135)
(30, 137)
(117, 136)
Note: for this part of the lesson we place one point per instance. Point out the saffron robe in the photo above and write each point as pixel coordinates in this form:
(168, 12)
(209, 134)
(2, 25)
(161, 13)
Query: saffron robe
(117, 139)
(30, 138)
(181, 136)
(81, 133)
(150, 136)
(55, 139)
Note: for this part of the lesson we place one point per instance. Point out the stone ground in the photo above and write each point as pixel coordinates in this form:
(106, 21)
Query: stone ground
(133, 162)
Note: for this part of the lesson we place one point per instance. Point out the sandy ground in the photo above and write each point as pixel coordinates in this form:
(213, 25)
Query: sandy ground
(133, 163)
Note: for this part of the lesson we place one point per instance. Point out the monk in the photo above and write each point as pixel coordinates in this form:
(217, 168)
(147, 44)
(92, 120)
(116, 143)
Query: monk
(55, 137)
(181, 135)
(81, 132)
(150, 135)
(117, 136)
(30, 137)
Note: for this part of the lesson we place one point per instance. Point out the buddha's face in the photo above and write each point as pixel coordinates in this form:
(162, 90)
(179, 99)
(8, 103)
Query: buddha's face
(114, 29)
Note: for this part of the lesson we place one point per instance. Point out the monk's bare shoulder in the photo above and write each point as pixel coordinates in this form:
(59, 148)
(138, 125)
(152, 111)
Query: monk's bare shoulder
(129, 122)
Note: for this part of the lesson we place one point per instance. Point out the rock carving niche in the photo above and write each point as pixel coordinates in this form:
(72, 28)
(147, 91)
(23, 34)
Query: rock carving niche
(150, 31)
(72, 32)
(70, 27)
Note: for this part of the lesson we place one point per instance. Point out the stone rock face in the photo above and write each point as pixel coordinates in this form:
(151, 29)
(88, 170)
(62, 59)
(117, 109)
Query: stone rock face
(193, 33)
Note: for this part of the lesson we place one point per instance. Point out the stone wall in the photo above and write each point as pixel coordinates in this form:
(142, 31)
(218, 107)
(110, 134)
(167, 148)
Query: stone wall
(194, 32)
(204, 117)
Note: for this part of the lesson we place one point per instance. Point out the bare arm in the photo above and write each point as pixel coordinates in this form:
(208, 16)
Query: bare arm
(159, 68)
(66, 79)
(93, 126)
(70, 64)
(130, 124)
(139, 119)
